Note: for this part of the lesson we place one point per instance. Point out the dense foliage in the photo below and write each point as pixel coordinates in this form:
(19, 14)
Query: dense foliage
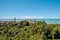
(28, 30)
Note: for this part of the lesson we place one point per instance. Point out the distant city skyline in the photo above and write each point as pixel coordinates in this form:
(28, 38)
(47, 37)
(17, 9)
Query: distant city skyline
(29, 9)
(28, 17)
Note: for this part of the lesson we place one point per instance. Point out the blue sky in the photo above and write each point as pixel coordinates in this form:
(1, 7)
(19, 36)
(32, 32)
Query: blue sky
(41, 8)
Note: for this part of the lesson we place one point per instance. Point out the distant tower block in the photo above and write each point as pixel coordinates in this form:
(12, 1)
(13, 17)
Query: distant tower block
(15, 19)
(35, 21)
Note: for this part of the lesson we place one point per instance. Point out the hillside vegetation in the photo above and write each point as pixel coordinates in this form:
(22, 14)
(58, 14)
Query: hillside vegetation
(28, 30)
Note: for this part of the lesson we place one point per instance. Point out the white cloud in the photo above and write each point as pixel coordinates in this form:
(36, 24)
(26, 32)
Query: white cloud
(33, 17)
(54, 17)
(23, 17)
(26, 17)
(41, 17)
(6, 17)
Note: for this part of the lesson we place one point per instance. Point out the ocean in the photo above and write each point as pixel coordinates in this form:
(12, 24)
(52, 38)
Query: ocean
(49, 21)
(53, 21)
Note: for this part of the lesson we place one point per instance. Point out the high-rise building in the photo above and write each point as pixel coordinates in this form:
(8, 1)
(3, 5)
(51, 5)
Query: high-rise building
(14, 19)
